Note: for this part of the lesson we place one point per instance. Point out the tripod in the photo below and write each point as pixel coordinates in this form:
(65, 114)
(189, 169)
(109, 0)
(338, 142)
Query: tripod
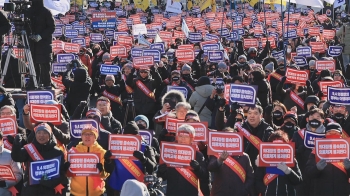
(24, 56)
(129, 101)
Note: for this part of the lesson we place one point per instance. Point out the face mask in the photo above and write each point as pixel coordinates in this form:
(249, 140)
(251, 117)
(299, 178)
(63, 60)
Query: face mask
(289, 50)
(2, 97)
(175, 79)
(314, 123)
(239, 120)
(339, 116)
(141, 126)
(95, 50)
(289, 125)
(281, 66)
(185, 75)
(300, 89)
(333, 136)
(252, 54)
(277, 114)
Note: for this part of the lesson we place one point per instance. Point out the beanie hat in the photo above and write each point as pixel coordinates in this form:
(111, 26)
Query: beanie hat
(203, 81)
(292, 116)
(131, 128)
(270, 67)
(175, 72)
(110, 77)
(312, 63)
(222, 65)
(192, 115)
(94, 111)
(129, 65)
(51, 102)
(90, 129)
(242, 57)
(43, 127)
(333, 126)
(144, 118)
(186, 67)
(324, 73)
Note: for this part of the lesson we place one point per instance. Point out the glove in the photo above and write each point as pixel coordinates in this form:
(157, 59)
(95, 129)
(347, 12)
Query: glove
(36, 38)
(164, 132)
(2, 183)
(19, 140)
(195, 165)
(99, 167)
(139, 155)
(346, 163)
(108, 155)
(235, 106)
(308, 83)
(321, 164)
(10, 138)
(66, 166)
(83, 103)
(283, 80)
(282, 166)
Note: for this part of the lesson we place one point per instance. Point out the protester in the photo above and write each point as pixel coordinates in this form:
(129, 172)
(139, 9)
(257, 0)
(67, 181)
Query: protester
(5, 98)
(143, 124)
(104, 106)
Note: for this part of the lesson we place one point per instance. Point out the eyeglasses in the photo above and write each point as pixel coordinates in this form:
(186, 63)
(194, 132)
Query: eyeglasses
(88, 134)
(6, 113)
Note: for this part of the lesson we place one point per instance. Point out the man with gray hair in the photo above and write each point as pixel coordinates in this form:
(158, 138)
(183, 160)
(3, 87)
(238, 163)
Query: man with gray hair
(177, 184)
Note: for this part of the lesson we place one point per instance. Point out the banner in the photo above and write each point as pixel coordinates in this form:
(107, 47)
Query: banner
(304, 51)
(324, 64)
(136, 52)
(201, 130)
(46, 113)
(332, 150)
(147, 136)
(103, 20)
(65, 58)
(291, 34)
(159, 46)
(8, 126)
(76, 126)
(109, 69)
(297, 76)
(49, 169)
(125, 40)
(80, 41)
(339, 96)
(244, 94)
(139, 29)
(173, 6)
(250, 43)
(181, 89)
(152, 52)
(39, 97)
(96, 37)
(271, 154)
(325, 84)
(71, 48)
(118, 51)
(123, 146)
(71, 33)
(83, 164)
(171, 124)
(184, 55)
(142, 61)
(6, 173)
(195, 37)
(225, 141)
(335, 50)
(300, 61)
(317, 47)
(215, 56)
(310, 137)
(177, 155)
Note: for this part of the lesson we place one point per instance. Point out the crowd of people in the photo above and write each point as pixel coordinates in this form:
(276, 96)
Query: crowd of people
(139, 97)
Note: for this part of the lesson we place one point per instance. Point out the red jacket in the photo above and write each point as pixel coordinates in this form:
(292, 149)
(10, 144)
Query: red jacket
(87, 62)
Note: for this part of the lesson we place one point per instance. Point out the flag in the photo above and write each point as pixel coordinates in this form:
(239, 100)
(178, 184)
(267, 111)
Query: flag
(142, 40)
(252, 2)
(185, 28)
(338, 3)
(204, 4)
(213, 6)
(157, 39)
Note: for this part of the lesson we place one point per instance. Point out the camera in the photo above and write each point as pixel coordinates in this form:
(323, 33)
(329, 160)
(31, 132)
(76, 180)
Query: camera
(153, 184)
(73, 64)
(17, 17)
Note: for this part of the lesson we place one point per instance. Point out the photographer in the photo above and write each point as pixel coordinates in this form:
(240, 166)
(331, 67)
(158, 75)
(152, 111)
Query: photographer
(5, 27)
(42, 26)
(216, 101)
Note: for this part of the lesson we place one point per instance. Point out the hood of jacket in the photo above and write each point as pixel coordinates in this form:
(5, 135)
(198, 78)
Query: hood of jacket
(80, 75)
(134, 188)
(205, 90)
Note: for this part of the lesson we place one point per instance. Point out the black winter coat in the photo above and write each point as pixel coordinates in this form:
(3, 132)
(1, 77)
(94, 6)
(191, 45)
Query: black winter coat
(43, 24)
(48, 151)
(8, 100)
(276, 95)
(264, 89)
(115, 90)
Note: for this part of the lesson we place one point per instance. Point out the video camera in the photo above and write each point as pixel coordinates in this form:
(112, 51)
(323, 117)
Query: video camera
(17, 16)
(153, 184)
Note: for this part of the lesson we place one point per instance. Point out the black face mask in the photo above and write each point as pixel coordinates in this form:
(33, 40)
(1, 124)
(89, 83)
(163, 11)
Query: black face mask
(141, 126)
(289, 125)
(314, 123)
(95, 50)
(239, 120)
(281, 66)
(186, 75)
(175, 79)
(300, 89)
(338, 116)
(277, 114)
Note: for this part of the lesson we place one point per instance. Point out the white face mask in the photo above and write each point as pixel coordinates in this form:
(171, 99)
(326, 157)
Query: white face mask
(289, 50)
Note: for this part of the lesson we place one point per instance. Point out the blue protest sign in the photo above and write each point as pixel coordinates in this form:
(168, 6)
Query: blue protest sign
(244, 94)
(219, 81)
(291, 34)
(151, 33)
(59, 68)
(147, 136)
(58, 31)
(300, 61)
(39, 97)
(304, 51)
(79, 40)
(339, 96)
(152, 52)
(81, 29)
(105, 23)
(49, 169)
(76, 126)
(277, 55)
(309, 138)
(234, 36)
(116, 34)
(109, 33)
(182, 89)
(273, 34)
(305, 31)
(65, 58)
(120, 12)
(159, 46)
(96, 37)
(68, 26)
(241, 31)
(215, 56)
(129, 22)
(93, 4)
(195, 37)
(109, 69)
(238, 19)
(71, 33)
(136, 52)
(335, 50)
(224, 32)
(207, 47)
(211, 37)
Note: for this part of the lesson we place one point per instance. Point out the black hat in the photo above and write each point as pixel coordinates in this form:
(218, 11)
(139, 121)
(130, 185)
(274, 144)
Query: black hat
(292, 116)
(311, 99)
(131, 128)
(203, 81)
(333, 126)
